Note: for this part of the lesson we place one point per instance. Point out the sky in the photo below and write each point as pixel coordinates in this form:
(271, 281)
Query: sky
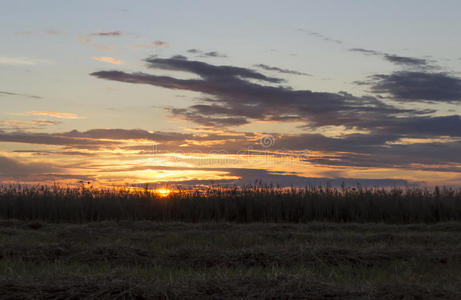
(200, 92)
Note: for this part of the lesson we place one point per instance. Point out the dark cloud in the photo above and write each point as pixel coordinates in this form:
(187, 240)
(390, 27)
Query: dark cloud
(237, 96)
(285, 71)
(396, 59)
(377, 149)
(46, 152)
(405, 60)
(126, 134)
(180, 57)
(441, 157)
(206, 54)
(213, 54)
(13, 168)
(207, 71)
(236, 100)
(49, 139)
(113, 138)
(365, 51)
(418, 86)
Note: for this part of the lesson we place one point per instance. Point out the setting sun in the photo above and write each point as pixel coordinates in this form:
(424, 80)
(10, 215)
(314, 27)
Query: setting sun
(163, 192)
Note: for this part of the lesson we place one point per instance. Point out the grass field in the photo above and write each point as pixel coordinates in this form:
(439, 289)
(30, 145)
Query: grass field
(251, 242)
(151, 260)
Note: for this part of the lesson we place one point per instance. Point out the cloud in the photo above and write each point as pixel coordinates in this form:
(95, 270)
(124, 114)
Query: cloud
(261, 176)
(236, 100)
(405, 60)
(17, 61)
(20, 124)
(276, 69)
(370, 150)
(107, 33)
(237, 96)
(12, 168)
(55, 114)
(194, 51)
(396, 59)
(320, 36)
(56, 139)
(201, 53)
(158, 44)
(365, 51)
(21, 95)
(32, 172)
(88, 39)
(107, 59)
(213, 54)
(182, 57)
(161, 44)
(417, 86)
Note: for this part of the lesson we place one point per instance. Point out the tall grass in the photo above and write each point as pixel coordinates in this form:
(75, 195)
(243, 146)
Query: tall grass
(239, 204)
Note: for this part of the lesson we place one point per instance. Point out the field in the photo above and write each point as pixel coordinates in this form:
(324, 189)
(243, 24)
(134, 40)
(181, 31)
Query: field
(315, 243)
(144, 259)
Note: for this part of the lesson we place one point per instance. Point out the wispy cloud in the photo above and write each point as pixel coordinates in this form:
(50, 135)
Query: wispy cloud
(107, 33)
(108, 59)
(88, 39)
(280, 70)
(405, 61)
(158, 44)
(55, 114)
(201, 53)
(320, 36)
(18, 94)
(20, 124)
(17, 61)
(161, 44)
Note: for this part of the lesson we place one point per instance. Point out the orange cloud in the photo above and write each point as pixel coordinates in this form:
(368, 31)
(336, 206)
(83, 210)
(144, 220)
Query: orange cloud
(108, 59)
(19, 124)
(161, 44)
(55, 114)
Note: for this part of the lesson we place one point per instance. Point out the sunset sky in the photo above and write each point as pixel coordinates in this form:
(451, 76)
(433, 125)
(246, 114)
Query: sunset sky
(194, 92)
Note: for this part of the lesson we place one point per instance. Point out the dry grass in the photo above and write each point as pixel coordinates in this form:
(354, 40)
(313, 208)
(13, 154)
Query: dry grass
(243, 205)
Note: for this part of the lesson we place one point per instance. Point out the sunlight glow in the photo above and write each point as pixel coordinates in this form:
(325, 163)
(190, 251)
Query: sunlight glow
(163, 192)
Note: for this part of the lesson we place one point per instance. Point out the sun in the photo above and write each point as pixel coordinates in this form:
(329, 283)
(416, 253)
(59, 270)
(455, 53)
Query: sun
(163, 192)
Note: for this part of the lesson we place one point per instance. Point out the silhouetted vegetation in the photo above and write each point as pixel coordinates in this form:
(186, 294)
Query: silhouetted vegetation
(238, 204)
